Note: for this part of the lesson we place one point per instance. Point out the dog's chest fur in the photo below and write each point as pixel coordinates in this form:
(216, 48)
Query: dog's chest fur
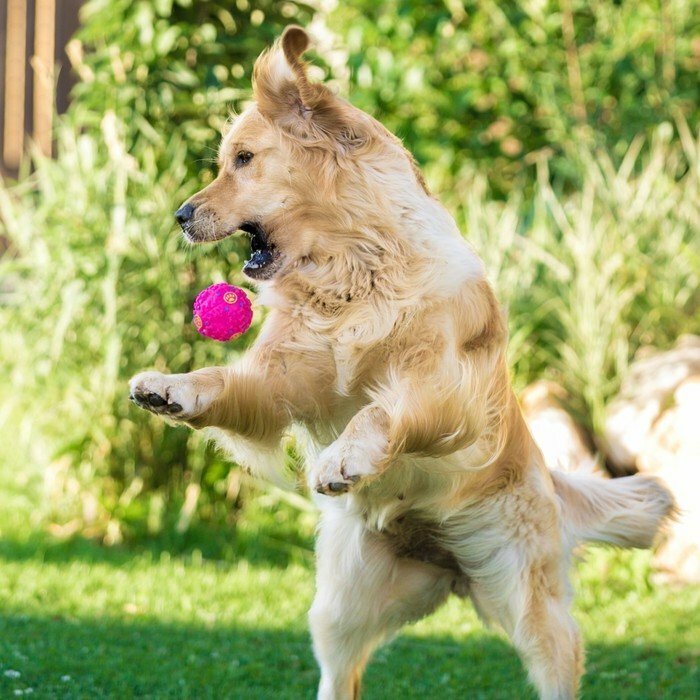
(346, 358)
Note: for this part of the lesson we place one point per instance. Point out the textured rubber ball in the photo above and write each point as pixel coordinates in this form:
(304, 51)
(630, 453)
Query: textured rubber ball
(222, 312)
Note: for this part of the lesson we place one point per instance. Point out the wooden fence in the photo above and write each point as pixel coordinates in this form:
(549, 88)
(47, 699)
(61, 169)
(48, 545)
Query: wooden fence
(34, 73)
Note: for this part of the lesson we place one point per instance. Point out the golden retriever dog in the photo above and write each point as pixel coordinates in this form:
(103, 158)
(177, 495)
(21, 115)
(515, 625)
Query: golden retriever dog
(384, 351)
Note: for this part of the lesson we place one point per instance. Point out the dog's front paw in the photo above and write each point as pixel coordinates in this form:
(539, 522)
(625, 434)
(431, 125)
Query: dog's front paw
(166, 395)
(340, 467)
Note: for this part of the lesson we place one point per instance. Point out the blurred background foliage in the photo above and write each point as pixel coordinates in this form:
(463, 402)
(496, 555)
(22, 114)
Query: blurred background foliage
(506, 82)
(174, 66)
(97, 284)
(562, 135)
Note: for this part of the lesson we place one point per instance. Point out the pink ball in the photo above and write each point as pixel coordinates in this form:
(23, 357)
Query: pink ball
(222, 312)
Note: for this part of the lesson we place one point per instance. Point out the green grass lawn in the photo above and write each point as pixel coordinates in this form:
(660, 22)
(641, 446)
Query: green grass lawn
(223, 614)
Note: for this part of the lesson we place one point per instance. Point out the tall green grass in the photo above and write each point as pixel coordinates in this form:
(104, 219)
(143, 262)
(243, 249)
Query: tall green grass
(96, 285)
(589, 277)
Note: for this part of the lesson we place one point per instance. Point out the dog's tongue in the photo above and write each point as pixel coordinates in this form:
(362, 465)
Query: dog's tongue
(258, 260)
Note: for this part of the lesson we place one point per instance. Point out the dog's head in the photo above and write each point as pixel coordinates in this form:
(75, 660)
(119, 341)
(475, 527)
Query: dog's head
(295, 167)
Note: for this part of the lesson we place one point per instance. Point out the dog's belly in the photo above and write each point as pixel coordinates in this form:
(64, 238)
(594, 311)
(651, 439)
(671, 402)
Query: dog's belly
(408, 505)
(412, 537)
(421, 507)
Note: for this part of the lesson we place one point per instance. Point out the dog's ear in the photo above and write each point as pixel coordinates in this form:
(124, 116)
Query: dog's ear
(284, 94)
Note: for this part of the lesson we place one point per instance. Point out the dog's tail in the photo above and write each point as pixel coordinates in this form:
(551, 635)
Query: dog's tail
(628, 512)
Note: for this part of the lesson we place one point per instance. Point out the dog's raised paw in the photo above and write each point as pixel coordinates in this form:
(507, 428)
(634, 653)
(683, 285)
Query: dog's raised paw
(155, 402)
(340, 468)
(151, 391)
(337, 488)
(148, 399)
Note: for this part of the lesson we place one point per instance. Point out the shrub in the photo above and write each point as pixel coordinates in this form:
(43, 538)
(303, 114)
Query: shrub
(101, 289)
(176, 65)
(488, 85)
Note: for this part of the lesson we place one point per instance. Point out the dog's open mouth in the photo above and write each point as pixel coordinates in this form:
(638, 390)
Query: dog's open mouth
(265, 259)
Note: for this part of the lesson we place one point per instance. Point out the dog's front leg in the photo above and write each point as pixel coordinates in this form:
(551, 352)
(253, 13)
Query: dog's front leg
(231, 398)
(434, 409)
(181, 397)
(359, 453)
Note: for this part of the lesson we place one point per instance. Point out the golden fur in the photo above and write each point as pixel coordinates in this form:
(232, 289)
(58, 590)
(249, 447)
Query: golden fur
(384, 350)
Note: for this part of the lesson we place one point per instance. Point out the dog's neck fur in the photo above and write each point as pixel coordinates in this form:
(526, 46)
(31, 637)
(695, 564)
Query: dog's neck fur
(375, 250)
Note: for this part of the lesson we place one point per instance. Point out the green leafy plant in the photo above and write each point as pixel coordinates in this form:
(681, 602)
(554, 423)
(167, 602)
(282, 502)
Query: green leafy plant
(97, 284)
(495, 84)
(174, 66)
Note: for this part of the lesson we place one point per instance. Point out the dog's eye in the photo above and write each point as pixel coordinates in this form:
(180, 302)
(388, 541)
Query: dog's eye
(243, 158)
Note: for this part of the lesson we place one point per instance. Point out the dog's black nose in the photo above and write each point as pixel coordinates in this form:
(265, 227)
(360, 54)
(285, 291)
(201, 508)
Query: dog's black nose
(184, 214)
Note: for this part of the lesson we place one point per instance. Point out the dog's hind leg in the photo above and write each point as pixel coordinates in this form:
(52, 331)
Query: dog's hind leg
(364, 595)
(534, 612)
(547, 638)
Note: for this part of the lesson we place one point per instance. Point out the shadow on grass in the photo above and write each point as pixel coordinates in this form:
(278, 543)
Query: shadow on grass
(140, 656)
(66, 658)
(259, 545)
